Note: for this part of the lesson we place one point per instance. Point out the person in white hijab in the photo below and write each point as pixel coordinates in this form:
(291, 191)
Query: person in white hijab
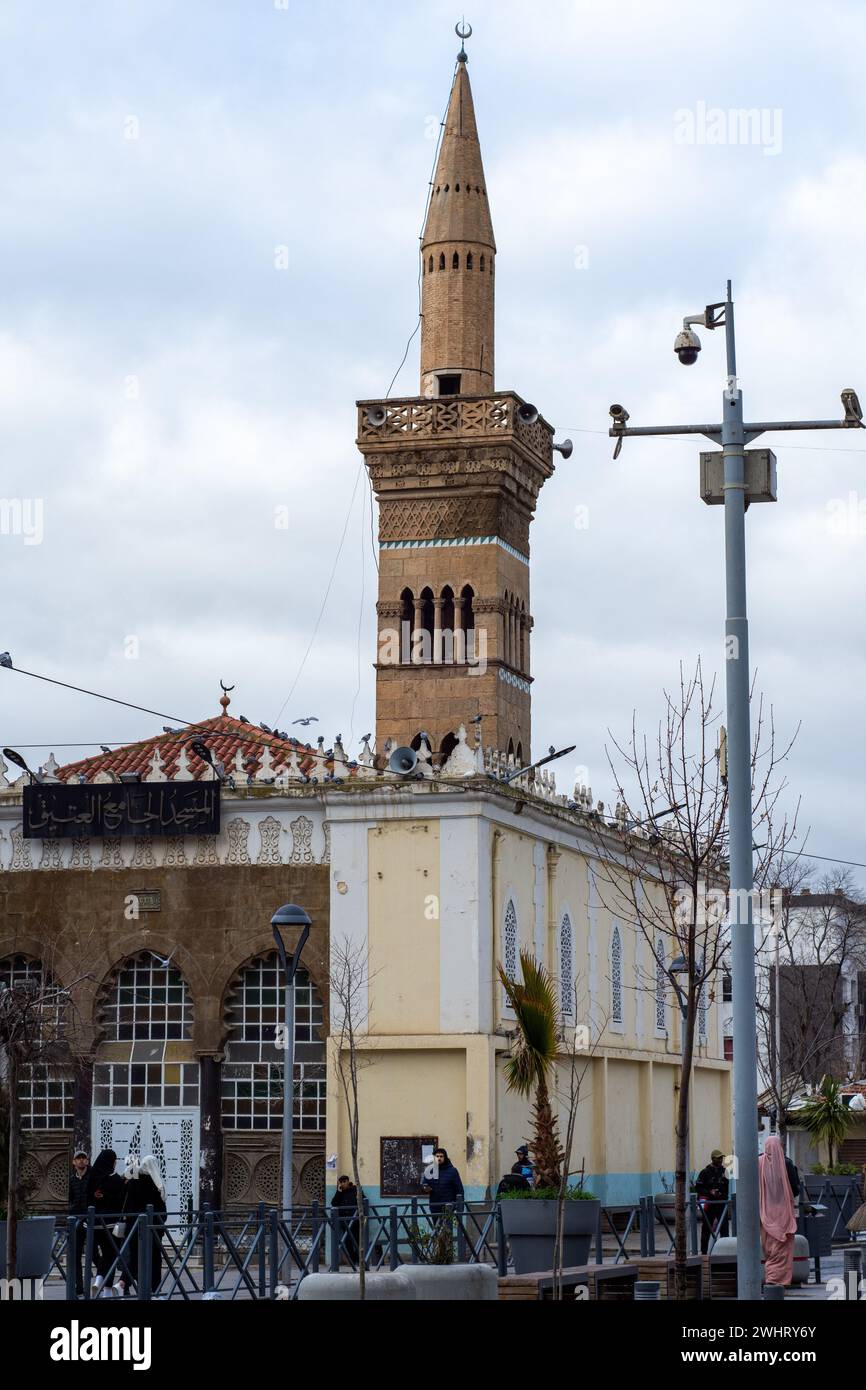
(149, 1168)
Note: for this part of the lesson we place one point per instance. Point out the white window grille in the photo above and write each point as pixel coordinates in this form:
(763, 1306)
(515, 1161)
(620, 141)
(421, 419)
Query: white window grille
(46, 1097)
(252, 1073)
(147, 1002)
(616, 1014)
(566, 966)
(509, 943)
(151, 1085)
(661, 988)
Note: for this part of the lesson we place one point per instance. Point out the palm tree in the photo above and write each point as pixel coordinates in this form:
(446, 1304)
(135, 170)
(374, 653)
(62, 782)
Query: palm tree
(532, 1059)
(826, 1116)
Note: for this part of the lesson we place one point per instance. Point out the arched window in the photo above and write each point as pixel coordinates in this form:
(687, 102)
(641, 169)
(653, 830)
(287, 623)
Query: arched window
(523, 663)
(470, 263)
(510, 749)
(146, 1002)
(455, 261)
(252, 1074)
(509, 940)
(616, 1014)
(449, 743)
(661, 987)
(482, 258)
(427, 619)
(46, 1089)
(430, 266)
(702, 1005)
(520, 755)
(566, 967)
(468, 596)
(442, 261)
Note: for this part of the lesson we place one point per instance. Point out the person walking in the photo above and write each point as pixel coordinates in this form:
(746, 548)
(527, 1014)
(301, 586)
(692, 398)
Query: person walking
(145, 1188)
(345, 1200)
(778, 1214)
(77, 1206)
(446, 1190)
(712, 1193)
(105, 1193)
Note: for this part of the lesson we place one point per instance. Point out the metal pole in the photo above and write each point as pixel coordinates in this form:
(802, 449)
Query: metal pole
(740, 828)
(778, 1031)
(288, 1089)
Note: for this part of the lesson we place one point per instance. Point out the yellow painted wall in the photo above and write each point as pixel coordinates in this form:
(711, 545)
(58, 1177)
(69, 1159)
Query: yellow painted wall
(403, 936)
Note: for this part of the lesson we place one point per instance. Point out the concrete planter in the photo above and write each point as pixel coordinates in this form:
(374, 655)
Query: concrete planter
(530, 1227)
(35, 1240)
(453, 1283)
(346, 1288)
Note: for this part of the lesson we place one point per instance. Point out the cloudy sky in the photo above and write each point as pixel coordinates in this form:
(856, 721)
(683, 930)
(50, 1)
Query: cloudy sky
(209, 229)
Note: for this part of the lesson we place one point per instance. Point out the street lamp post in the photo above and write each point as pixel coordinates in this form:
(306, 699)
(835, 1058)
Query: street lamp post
(740, 469)
(289, 916)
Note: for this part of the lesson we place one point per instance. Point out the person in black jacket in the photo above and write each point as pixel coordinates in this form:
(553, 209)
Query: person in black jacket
(447, 1189)
(144, 1188)
(105, 1193)
(77, 1206)
(712, 1192)
(345, 1199)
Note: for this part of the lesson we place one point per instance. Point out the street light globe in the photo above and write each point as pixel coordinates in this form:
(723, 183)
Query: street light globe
(291, 916)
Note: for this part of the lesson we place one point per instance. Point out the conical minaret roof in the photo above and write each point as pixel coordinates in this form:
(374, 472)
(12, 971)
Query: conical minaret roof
(459, 210)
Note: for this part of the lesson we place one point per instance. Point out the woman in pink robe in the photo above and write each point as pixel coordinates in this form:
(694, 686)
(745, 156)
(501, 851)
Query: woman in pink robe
(778, 1215)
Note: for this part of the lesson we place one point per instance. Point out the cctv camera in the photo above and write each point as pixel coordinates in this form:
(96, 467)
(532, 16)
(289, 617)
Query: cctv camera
(687, 346)
(619, 415)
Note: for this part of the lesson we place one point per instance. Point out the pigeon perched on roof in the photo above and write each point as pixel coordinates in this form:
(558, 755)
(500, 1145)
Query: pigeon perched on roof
(244, 719)
(104, 749)
(264, 728)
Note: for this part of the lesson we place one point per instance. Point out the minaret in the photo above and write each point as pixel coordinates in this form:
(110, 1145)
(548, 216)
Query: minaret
(457, 472)
(458, 255)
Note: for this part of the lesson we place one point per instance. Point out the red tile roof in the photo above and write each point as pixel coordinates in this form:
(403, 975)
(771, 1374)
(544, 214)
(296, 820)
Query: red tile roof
(223, 736)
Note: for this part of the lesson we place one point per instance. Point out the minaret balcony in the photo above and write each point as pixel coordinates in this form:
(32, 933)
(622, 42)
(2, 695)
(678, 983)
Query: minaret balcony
(392, 426)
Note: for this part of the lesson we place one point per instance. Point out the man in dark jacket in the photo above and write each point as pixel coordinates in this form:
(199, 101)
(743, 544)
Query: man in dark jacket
(447, 1189)
(712, 1192)
(77, 1206)
(345, 1199)
(523, 1166)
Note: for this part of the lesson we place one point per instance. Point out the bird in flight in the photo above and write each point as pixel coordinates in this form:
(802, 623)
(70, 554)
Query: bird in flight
(311, 719)
(164, 962)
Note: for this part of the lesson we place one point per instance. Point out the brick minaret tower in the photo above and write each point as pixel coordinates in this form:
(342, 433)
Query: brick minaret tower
(457, 472)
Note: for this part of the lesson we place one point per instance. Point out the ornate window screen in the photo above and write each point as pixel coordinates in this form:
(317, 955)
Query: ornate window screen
(616, 1014)
(147, 1002)
(566, 967)
(509, 941)
(661, 988)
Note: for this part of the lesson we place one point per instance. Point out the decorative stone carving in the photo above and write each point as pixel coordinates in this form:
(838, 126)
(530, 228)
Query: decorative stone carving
(80, 857)
(267, 772)
(205, 852)
(175, 853)
(302, 841)
(51, 769)
(156, 771)
(237, 1178)
(239, 833)
(20, 850)
(462, 761)
(184, 772)
(269, 837)
(326, 852)
(142, 854)
(4, 781)
(52, 854)
(112, 855)
(267, 1178)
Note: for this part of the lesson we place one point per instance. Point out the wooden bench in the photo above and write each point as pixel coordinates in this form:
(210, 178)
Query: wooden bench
(603, 1283)
(662, 1268)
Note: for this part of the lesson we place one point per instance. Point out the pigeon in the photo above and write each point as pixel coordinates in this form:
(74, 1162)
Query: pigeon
(244, 719)
(366, 738)
(104, 749)
(264, 728)
(167, 730)
(311, 719)
(6, 660)
(164, 963)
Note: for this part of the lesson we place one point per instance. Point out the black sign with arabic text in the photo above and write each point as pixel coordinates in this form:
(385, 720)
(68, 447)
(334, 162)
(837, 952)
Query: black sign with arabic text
(120, 809)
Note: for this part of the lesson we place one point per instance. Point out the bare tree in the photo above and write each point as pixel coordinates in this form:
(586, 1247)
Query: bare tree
(817, 938)
(349, 981)
(37, 1019)
(663, 864)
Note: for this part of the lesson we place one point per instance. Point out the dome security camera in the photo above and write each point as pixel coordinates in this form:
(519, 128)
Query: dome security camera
(687, 346)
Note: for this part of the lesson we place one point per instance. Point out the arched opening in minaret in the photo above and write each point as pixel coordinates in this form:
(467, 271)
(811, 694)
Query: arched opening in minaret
(511, 748)
(442, 261)
(482, 263)
(447, 650)
(522, 628)
(427, 618)
(470, 263)
(430, 267)
(407, 622)
(449, 743)
(455, 261)
(468, 603)
(506, 630)
(520, 755)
